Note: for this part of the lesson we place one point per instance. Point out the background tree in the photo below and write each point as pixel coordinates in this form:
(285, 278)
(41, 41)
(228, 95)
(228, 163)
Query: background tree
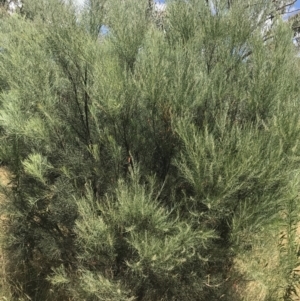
(151, 162)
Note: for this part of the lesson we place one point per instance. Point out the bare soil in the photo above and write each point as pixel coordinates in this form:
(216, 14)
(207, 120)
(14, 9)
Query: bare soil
(5, 178)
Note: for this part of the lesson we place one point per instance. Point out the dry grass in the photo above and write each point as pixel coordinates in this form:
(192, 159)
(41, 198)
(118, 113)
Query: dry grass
(259, 270)
(261, 275)
(5, 178)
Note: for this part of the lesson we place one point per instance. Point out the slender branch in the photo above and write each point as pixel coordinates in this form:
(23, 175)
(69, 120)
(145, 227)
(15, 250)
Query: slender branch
(129, 158)
(75, 93)
(291, 12)
(86, 106)
(286, 5)
(248, 53)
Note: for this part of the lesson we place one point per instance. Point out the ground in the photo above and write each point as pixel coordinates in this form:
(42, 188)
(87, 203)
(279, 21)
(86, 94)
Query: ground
(4, 181)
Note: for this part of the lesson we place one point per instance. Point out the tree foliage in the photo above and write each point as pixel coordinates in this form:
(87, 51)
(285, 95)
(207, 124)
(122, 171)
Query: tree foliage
(149, 161)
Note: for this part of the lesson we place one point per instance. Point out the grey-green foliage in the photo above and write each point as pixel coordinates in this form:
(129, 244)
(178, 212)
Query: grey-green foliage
(146, 160)
(131, 242)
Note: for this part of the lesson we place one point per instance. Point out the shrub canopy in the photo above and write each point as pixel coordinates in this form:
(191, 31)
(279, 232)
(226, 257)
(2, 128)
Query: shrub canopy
(150, 153)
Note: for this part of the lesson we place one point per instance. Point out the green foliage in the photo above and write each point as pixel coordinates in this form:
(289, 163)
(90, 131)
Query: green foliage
(153, 162)
(131, 243)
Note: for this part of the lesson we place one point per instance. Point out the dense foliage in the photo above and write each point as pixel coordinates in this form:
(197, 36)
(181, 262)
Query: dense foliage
(151, 156)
